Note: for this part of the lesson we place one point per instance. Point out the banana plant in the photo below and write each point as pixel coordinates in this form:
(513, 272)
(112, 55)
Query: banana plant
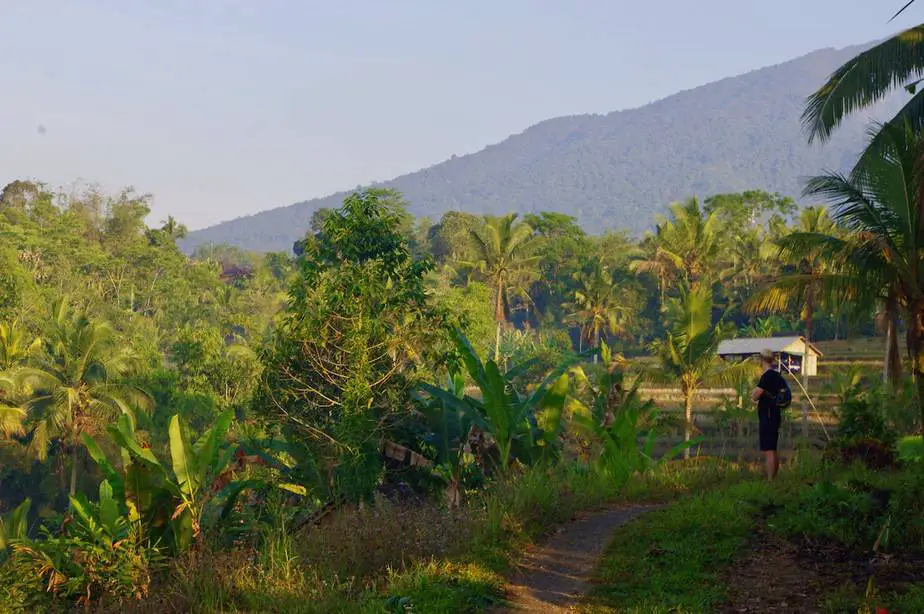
(100, 523)
(177, 501)
(450, 425)
(616, 419)
(14, 524)
(524, 427)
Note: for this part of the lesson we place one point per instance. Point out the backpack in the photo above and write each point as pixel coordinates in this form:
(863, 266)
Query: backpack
(784, 396)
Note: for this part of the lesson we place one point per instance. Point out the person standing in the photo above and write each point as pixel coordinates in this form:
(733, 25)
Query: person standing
(769, 413)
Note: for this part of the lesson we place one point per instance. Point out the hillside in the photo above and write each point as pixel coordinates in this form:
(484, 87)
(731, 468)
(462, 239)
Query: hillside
(618, 169)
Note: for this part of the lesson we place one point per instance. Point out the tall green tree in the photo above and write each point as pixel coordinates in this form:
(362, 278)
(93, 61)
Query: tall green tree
(347, 350)
(173, 228)
(597, 307)
(804, 284)
(686, 247)
(78, 384)
(505, 256)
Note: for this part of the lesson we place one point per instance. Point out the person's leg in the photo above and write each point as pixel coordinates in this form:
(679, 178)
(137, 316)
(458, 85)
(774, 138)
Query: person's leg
(765, 435)
(773, 464)
(769, 430)
(777, 422)
(770, 463)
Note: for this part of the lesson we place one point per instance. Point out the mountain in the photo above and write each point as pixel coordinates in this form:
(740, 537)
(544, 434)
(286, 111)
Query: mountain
(619, 169)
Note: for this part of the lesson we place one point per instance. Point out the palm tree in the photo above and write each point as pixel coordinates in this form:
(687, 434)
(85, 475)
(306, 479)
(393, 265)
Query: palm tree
(13, 346)
(76, 385)
(174, 229)
(688, 353)
(687, 247)
(597, 307)
(505, 255)
(867, 78)
(14, 350)
(804, 284)
(11, 417)
(880, 203)
(761, 327)
(659, 262)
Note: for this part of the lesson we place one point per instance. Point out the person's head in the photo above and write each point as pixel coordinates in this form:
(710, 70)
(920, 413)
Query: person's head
(766, 358)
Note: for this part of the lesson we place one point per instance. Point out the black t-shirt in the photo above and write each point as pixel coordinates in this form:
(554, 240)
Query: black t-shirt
(771, 382)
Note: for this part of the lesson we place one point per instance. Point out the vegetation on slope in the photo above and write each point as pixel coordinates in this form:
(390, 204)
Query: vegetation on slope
(617, 170)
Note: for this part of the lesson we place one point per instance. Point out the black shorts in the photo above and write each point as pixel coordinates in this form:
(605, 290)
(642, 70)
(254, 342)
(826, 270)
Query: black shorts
(769, 430)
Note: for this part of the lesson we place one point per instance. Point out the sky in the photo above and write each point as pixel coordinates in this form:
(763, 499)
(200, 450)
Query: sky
(222, 108)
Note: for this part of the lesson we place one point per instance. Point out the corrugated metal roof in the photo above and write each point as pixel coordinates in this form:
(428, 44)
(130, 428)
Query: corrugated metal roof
(749, 345)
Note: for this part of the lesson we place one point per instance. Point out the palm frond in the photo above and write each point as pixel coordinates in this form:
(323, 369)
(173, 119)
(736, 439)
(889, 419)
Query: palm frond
(11, 420)
(864, 80)
(901, 10)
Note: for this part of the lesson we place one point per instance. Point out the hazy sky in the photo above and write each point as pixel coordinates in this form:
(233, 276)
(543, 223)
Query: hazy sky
(227, 107)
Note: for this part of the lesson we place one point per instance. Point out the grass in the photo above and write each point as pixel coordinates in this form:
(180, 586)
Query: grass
(677, 559)
(673, 560)
(390, 558)
(911, 449)
(516, 515)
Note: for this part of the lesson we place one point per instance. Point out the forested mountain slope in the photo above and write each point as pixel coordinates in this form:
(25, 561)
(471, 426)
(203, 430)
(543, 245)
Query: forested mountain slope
(616, 170)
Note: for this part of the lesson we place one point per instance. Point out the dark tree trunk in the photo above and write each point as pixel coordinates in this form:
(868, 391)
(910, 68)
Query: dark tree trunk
(499, 318)
(74, 458)
(915, 332)
(892, 373)
(596, 345)
(809, 315)
(688, 419)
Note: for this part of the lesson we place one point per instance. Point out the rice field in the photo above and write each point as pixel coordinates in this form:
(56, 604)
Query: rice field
(726, 435)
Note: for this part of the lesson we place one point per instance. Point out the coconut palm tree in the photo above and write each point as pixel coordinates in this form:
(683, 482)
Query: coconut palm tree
(11, 416)
(686, 247)
(14, 349)
(173, 228)
(803, 284)
(597, 307)
(77, 384)
(867, 78)
(880, 203)
(505, 255)
(688, 353)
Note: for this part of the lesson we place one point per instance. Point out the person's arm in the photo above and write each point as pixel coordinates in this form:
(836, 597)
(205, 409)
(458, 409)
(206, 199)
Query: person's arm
(756, 394)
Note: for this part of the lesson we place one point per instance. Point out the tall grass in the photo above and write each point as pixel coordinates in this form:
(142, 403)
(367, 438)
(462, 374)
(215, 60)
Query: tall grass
(389, 555)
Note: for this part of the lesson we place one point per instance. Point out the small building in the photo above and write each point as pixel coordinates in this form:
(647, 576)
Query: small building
(790, 352)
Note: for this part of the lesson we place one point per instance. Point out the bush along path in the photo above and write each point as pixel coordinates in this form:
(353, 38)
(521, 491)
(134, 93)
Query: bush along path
(554, 576)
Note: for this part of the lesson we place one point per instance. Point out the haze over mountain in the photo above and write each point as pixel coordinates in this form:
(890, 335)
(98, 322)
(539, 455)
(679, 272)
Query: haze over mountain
(618, 170)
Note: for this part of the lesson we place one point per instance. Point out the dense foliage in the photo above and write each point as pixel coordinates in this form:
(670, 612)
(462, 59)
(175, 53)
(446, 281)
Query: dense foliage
(155, 407)
(173, 419)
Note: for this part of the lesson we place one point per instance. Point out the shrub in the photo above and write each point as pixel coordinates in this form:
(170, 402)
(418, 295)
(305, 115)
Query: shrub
(863, 417)
(74, 569)
(98, 556)
(873, 453)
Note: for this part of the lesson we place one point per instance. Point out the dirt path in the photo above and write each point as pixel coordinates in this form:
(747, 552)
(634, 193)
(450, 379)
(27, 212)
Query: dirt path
(554, 576)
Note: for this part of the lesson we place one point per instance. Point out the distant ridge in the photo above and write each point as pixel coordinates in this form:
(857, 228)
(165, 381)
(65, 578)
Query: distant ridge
(618, 169)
